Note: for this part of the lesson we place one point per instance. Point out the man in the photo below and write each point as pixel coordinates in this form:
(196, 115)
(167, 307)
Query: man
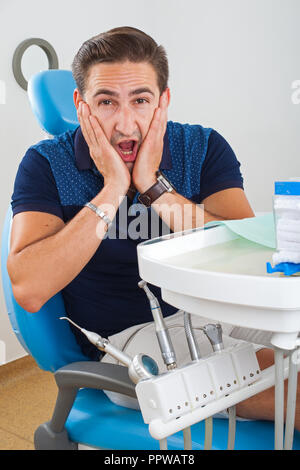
(111, 162)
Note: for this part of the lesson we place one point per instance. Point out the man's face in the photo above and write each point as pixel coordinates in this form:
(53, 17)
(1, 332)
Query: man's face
(123, 96)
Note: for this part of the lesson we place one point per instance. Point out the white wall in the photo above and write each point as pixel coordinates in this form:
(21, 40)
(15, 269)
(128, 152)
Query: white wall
(232, 66)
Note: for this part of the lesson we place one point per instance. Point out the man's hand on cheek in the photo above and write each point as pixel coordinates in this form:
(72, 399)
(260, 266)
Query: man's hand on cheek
(149, 156)
(105, 157)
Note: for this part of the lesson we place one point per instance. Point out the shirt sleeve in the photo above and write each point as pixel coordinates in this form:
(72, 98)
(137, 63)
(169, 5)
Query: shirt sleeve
(35, 188)
(221, 169)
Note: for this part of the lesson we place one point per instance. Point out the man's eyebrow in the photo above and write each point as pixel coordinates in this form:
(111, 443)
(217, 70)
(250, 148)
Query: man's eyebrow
(138, 91)
(104, 91)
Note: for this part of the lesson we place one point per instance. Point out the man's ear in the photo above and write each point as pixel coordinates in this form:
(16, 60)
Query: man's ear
(77, 97)
(168, 93)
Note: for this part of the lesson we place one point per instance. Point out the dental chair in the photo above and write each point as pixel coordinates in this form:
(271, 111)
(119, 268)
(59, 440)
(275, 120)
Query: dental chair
(83, 415)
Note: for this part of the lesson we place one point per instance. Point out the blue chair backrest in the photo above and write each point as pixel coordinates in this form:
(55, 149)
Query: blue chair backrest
(48, 339)
(51, 98)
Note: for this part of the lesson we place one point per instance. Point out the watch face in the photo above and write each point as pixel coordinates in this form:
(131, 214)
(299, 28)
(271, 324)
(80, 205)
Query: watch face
(165, 181)
(162, 177)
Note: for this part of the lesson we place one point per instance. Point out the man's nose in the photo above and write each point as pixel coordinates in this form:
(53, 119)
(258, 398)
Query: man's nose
(126, 121)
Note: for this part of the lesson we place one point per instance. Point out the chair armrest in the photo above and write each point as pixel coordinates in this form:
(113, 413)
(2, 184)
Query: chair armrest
(70, 378)
(98, 375)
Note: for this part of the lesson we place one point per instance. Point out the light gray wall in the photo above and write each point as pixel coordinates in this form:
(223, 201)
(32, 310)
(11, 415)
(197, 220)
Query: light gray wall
(232, 64)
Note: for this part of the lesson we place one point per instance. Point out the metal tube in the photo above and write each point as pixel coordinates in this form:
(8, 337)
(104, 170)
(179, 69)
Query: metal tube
(191, 340)
(195, 355)
(279, 399)
(163, 444)
(187, 438)
(117, 354)
(208, 433)
(291, 403)
(231, 427)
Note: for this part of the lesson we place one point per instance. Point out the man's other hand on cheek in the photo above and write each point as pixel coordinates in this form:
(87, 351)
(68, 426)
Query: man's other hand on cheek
(150, 153)
(106, 158)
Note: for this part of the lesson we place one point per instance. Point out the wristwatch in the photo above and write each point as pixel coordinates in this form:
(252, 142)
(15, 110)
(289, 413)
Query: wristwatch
(161, 186)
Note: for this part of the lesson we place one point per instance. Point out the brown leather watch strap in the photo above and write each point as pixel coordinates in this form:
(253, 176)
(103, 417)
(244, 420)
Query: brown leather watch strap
(156, 190)
(152, 194)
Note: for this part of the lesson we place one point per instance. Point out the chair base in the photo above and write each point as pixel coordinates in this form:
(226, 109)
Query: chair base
(46, 439)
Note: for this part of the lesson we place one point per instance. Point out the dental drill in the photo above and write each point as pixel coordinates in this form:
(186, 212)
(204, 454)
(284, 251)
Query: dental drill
(191, 340)
(162, 333)
(140, 367)
(214, 334)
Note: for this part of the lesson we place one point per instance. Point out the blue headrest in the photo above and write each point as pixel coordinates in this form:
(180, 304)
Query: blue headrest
(51, 98)
(48, 339)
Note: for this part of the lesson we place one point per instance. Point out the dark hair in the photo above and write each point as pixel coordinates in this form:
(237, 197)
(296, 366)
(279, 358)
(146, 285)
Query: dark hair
(119, 45)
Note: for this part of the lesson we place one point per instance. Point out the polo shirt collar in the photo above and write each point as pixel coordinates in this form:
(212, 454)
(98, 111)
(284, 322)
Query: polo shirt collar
(84, 161)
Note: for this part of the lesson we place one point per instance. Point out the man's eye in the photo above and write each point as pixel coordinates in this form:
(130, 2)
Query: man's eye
(105, 102)
(141, 100)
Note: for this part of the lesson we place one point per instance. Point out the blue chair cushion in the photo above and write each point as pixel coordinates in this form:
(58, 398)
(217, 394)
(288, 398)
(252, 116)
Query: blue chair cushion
(50, 95)
(96, 421)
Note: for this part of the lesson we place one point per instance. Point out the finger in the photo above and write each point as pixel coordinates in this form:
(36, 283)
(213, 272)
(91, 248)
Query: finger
(85, 124)
(155, 126)
(98, 131)
(164, 107)
(163, 101)
(103, 142)
(160, 119)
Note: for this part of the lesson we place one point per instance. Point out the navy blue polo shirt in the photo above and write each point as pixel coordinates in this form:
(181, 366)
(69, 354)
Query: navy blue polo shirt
(58, 176)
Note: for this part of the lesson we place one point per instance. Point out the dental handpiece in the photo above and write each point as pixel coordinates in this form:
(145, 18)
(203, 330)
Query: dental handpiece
(140, 367)
(162, 333)
(214, 335)
(191, 340)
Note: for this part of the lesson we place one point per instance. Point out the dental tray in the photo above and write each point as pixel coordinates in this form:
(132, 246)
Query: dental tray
(215, 273)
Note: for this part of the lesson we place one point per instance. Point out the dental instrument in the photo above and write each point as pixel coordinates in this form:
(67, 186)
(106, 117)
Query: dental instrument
(162, 332)
(191, 340)
(140, 367)
(215, 336)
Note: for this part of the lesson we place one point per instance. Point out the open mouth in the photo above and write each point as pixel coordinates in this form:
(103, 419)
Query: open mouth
(127, 150)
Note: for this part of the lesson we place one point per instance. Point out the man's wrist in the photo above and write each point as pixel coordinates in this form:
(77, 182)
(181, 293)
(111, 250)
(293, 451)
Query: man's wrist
(117, 187)
(144, 185)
